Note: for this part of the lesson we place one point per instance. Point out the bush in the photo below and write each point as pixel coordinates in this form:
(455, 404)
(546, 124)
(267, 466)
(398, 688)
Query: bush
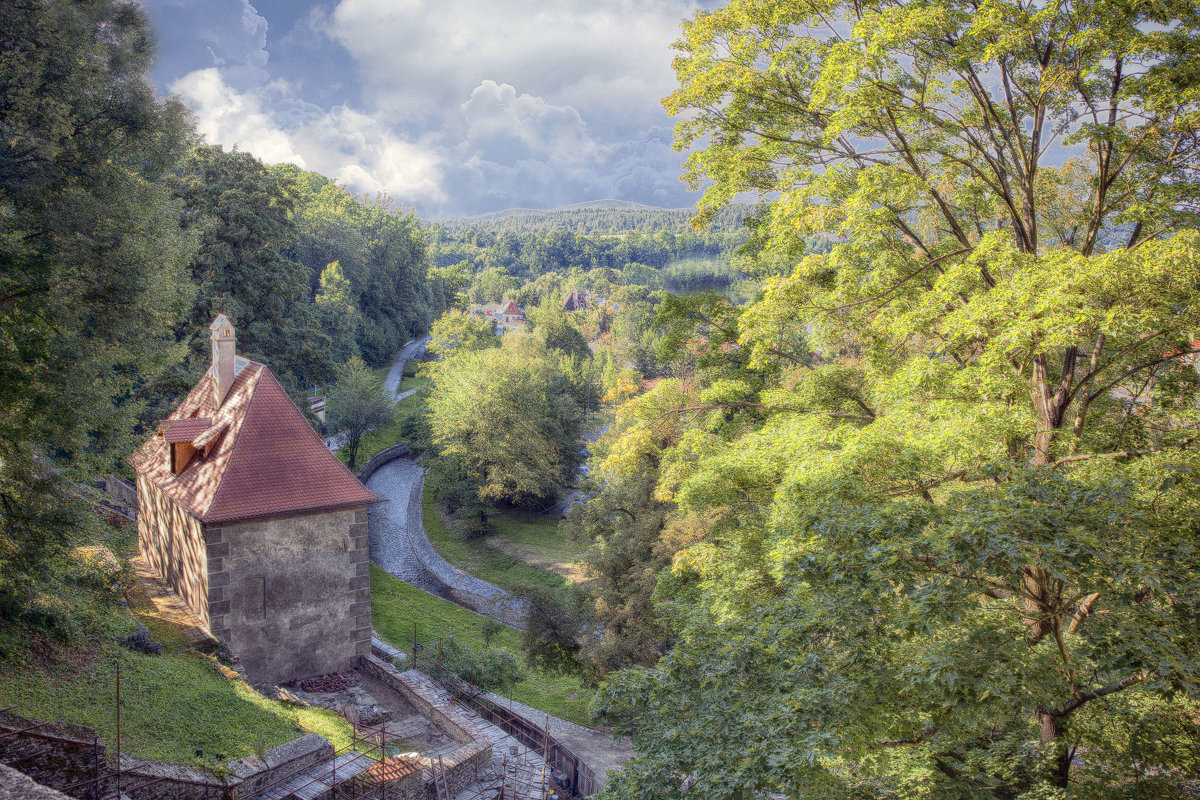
(490, 668)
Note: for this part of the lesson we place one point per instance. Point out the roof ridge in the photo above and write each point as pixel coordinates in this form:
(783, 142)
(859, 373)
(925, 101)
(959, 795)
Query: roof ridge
(240, 420)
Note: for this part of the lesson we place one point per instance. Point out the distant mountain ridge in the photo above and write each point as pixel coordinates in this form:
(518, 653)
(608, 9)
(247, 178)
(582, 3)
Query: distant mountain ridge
(597, 217)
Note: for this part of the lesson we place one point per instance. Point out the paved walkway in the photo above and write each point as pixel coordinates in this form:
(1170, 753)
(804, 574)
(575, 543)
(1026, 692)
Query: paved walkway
(387, 524)
(414, 349)
(400, 545)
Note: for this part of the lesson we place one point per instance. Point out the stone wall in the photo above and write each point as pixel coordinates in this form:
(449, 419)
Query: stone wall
(19, 786)
(172, 542)
(379, 459)
(454, 584)
(61, 755)
(463, 766)
(121, 491)
(291, 595)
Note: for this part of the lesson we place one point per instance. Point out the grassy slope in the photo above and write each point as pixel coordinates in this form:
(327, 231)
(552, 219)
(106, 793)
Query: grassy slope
(488, 563)
(172, 705)
(396, 607)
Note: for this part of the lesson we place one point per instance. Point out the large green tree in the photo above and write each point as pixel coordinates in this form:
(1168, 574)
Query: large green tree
(956, 557)
(381, 251)
(355, 405)
(242, 215)
(92, 259)
(510, 417)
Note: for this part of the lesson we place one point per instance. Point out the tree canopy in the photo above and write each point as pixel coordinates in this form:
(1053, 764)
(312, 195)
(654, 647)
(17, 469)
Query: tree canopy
(949, 548)
(92, 263)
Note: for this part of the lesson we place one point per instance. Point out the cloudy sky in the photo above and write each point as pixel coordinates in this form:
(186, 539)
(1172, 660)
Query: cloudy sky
(454, 107)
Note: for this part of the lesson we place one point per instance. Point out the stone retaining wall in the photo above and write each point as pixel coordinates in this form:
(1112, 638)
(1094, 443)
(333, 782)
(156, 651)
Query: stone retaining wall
(465, 590)
(463, 766)
(62, 755)
(122, 492)
(379, 459)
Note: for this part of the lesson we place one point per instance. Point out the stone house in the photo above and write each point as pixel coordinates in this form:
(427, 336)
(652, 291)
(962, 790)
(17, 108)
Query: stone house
(256, 525)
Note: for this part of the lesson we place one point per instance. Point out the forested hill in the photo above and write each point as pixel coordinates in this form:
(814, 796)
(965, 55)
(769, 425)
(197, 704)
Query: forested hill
(599, 217)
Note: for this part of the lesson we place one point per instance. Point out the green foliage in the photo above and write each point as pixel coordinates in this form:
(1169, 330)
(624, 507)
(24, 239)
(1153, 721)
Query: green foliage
(491, 669)
(945, 539)
(459, 332)
(339, 316)
(91, 263)
(381, 251)
(552, 632)
(509, 418)
(241, 213)
(555, 331)
(355, 405)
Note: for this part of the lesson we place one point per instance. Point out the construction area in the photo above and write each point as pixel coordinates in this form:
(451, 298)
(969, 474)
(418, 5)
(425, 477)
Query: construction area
(414, 739)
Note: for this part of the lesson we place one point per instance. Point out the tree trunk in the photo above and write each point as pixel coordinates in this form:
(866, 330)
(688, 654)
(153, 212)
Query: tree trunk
(1050, 733)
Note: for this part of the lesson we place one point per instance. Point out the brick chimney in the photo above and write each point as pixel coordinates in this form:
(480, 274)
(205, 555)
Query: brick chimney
(223, 344)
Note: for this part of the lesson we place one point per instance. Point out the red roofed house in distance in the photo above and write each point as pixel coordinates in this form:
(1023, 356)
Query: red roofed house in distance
(257, 526)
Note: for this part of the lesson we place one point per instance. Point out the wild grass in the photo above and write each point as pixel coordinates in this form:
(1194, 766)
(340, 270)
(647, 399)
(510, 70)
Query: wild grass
(399, 609)
(478, 558)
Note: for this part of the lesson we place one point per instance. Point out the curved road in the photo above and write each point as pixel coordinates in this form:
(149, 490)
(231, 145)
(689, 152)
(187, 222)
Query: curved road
(391, 383)
(396, 533)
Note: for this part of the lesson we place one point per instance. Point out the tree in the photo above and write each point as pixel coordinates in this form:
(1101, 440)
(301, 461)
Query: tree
(459, 332)
(557, 333)
(381, 251)
(510, 417)
(355, 405)
(339, 317)
(92, 261)
(957, 552)
(242, 215)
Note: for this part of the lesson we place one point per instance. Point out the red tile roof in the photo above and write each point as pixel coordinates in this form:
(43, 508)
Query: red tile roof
(392, 769)
(266, 459)
(183, 430)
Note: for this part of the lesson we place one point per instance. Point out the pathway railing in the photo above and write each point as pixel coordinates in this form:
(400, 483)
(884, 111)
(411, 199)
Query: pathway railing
(428, 657)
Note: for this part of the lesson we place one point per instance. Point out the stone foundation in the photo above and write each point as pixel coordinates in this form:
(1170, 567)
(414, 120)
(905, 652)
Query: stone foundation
(465, 765)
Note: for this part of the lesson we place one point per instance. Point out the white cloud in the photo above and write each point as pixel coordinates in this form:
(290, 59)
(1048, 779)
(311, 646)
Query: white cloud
(454, 106)
(419, 58)
(342, 143)
(496, 111)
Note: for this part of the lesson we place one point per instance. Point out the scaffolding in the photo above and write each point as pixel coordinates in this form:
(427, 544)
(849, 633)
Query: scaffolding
(575, 778)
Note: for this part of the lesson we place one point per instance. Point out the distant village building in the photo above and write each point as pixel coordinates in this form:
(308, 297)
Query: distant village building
(506, 315)
(576, 301)
(257, 526)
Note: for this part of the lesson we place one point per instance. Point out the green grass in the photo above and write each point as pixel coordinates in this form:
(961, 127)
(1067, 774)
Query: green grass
(411, 382)
(477, 558)
(396, 607)
(536, 534)
(171, 705)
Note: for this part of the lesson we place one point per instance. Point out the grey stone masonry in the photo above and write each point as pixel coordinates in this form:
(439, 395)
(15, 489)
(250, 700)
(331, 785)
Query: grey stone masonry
(464, 763)
(401, 546)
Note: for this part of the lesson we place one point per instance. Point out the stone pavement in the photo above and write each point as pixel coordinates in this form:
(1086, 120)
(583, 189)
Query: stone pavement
(400, 545)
